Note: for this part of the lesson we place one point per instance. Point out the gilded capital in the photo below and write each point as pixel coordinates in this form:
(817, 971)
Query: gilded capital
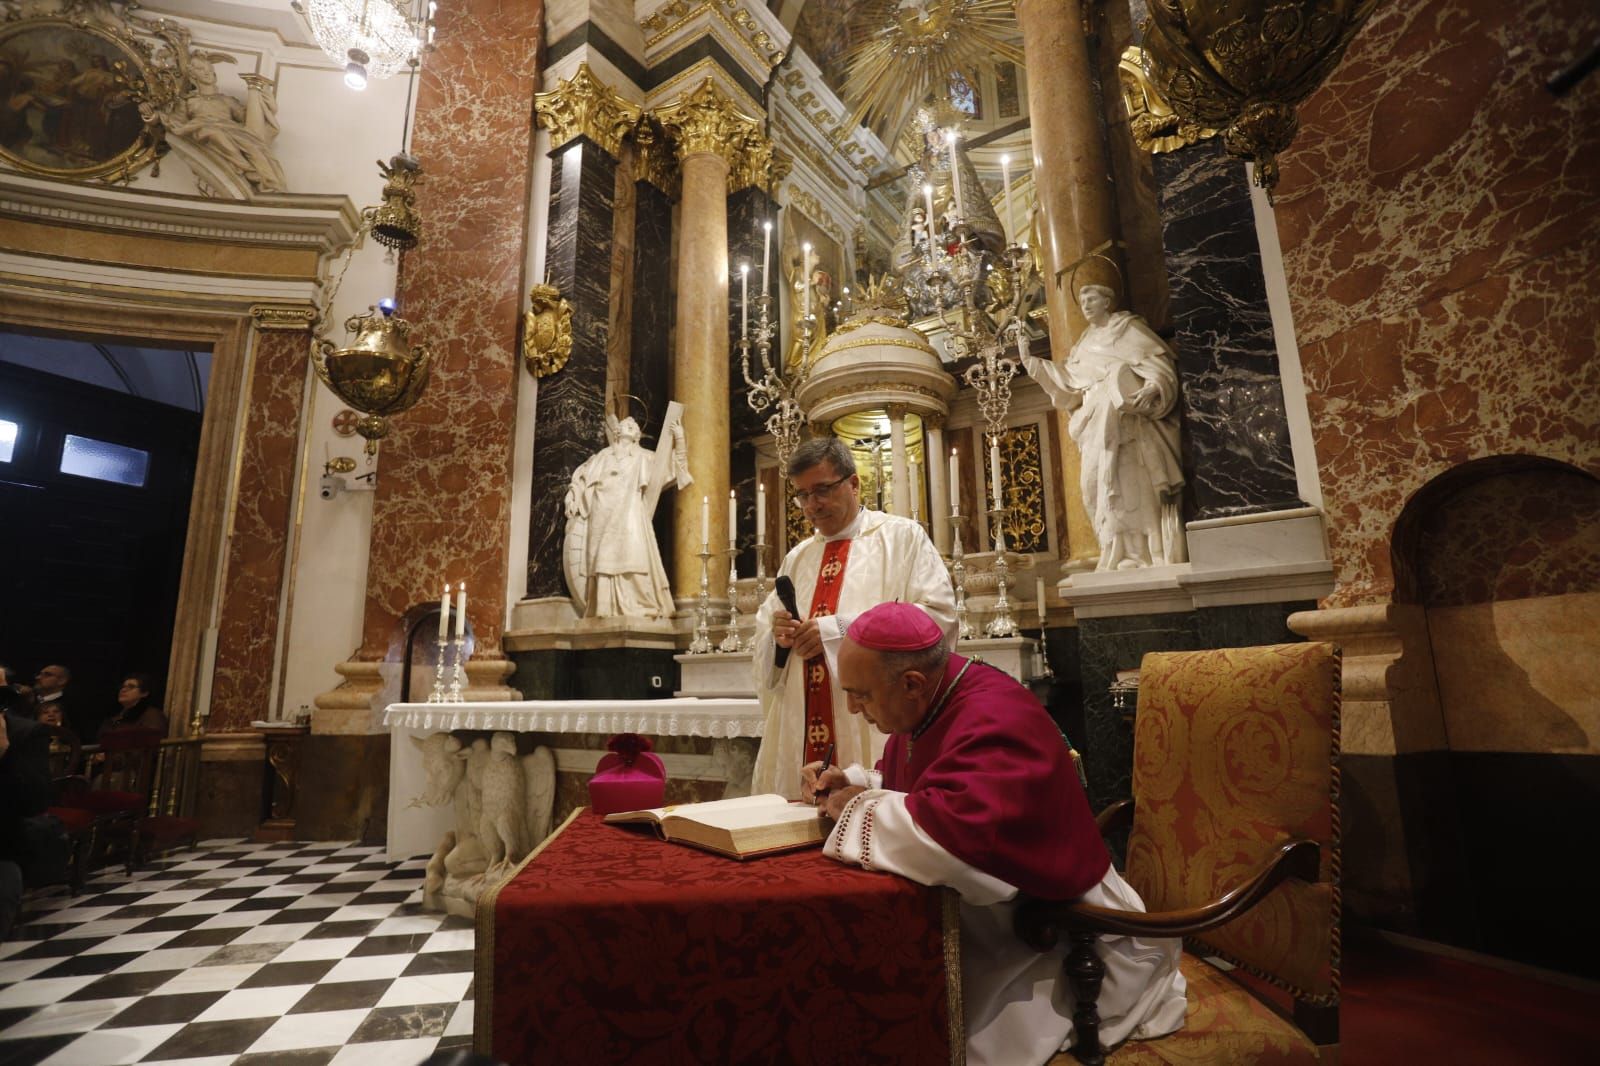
(705, 120)
(271, 318)
(1156, 127)
(585, 105)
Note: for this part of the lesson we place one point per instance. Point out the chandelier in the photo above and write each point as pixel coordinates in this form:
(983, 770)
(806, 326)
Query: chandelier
(372, 38)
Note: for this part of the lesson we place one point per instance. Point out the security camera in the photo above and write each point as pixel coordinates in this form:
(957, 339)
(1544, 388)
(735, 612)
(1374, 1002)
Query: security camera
(331, 485)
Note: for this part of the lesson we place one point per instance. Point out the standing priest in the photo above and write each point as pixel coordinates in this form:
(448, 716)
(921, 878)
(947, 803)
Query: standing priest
(976, 790)
(857, 559)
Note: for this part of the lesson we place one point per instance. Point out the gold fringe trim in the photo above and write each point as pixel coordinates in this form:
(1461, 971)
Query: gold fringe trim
(951, 906)
(483, 946)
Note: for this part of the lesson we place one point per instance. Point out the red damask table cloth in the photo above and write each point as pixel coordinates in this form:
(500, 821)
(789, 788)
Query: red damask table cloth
(610, 946)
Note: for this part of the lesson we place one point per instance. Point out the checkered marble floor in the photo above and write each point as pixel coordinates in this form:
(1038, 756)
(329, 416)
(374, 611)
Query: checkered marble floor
(237, 953)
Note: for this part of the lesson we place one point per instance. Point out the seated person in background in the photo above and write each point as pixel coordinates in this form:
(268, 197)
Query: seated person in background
(135, 707)
(25, 792)
(976, 790)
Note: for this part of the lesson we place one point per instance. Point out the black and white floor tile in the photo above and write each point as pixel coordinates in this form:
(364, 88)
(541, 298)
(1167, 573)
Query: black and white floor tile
(235, 954)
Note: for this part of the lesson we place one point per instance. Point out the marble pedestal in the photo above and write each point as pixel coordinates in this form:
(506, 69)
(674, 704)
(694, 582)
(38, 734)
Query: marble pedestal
(717, 675)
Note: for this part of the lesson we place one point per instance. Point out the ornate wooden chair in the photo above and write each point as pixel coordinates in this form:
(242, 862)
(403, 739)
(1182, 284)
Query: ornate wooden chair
(165, 823)
(1234, 846)
(118, 794)
(66, 766)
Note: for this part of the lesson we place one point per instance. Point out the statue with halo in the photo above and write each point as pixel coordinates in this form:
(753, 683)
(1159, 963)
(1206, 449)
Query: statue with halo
(1120, 388)
(611, 560)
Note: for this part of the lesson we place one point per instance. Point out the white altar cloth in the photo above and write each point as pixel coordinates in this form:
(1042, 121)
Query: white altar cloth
(416, 830)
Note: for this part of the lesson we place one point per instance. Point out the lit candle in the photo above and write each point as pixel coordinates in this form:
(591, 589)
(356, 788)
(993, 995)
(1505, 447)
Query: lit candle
(761, 511)
(733, 521)
(1005, 194)
(994, 473)
(461, 610)
(927, 198)
(766, 254)
(705, 523)
(955, 482)
(1038, 593)
(805, 270)
(744, 301)
(444, 613)
(955, 173)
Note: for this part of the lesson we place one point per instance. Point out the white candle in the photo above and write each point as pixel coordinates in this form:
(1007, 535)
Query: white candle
(1005, 194)
(994, 473)
(955, 173)
(916, 495)
(1038, 592)
(744, 301)
(444, 612)
(461, 610)
(766, 254)
(761, 511)
(955, 483)
(733, 521)
(705, 523)
(927, 198)
(805, 270)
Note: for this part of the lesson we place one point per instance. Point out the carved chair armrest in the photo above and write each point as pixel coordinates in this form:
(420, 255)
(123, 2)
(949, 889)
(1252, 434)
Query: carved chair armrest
(1037, 920)
(1115, 816)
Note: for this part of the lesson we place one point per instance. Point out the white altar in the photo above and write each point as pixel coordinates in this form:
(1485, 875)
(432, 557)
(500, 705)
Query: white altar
(415, 829)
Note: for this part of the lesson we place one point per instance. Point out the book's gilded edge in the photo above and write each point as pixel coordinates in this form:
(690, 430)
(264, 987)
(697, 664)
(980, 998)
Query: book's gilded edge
(952, 975)
(483, 947)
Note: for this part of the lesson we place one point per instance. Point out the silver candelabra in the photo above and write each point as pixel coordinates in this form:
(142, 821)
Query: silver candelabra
(702, 612)
(731, 640)
(457, 674)
(775, 388)
(438, 694)
(958, 573)
(1002, 624)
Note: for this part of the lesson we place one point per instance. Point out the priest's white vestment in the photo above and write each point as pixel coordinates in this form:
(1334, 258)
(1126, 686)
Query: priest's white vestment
(891, 558)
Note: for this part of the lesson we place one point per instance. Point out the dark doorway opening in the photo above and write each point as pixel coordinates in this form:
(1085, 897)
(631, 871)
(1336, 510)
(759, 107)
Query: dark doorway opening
(98, 443)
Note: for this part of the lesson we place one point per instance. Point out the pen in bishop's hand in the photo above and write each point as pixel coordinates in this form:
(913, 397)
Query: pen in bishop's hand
(827, 761)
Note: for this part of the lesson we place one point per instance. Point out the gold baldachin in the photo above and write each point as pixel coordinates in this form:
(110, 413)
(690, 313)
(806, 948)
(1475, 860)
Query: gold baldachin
(1156, 127)
(1242, 67)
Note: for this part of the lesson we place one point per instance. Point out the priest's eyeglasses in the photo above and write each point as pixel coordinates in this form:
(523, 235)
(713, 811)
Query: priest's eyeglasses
(801, 497)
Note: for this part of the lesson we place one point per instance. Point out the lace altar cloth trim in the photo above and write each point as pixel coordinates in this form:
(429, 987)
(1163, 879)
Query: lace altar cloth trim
(661, 718)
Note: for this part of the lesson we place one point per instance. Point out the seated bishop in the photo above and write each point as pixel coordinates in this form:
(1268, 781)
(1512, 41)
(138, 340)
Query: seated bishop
(977, 790)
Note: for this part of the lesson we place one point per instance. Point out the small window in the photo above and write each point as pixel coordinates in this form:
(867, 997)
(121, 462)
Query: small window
(87, 457)
(8, 440)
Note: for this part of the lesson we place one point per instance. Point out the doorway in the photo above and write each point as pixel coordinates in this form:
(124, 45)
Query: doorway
(98, 449)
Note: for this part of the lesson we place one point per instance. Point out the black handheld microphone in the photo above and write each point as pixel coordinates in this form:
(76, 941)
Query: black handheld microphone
(785, 591)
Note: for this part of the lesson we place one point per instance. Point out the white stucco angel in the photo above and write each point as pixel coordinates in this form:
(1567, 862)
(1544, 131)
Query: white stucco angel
(1120, 385)
(612, 563)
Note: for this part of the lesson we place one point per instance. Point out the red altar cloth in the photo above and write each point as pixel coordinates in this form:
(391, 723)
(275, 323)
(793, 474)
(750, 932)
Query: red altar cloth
(610, 946)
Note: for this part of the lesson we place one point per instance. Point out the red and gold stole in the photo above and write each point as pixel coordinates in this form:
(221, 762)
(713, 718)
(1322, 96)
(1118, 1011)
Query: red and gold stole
(819, 688)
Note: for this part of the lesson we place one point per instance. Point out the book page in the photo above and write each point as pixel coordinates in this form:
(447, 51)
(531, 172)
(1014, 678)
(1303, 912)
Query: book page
(745, 817)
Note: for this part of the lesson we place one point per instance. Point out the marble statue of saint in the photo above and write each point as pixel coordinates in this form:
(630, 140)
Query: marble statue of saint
(1120, 385)
(612, 562)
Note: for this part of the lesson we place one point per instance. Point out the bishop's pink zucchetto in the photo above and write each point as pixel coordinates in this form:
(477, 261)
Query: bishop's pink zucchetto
(895, 627)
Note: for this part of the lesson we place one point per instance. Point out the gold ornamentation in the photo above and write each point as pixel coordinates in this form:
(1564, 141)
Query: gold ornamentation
(1242, 67)
(916, 49)
(813, 209)
(379, 374)
(827, 124)
(1020, 456)
(546, 331)
(271, 319)
(585, 105)
(395, 222)
(705, 120)
(667, 19)
(820, 163)
(1156, 127)
(653, 159)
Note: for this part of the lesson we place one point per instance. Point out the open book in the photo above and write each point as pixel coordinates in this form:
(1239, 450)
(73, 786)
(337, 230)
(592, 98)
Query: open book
(738, 828)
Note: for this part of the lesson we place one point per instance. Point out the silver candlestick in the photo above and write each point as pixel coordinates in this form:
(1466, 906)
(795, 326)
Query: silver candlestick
(731, 641)
(437, 695)
(458, 675)
(761, 572)
(958, 573)
(702, 612)
(1001, 625)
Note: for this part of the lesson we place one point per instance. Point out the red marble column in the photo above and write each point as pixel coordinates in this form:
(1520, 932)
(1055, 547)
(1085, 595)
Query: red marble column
(252, 584)
(443, 503)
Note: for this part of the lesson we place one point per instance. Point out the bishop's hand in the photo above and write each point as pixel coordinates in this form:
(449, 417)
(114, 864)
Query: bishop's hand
(816, 783)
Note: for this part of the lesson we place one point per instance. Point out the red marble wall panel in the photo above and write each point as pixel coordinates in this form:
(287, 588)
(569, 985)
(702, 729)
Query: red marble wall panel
(253, 582)
(1439, 214)
(443, 502)
(1509, 536)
